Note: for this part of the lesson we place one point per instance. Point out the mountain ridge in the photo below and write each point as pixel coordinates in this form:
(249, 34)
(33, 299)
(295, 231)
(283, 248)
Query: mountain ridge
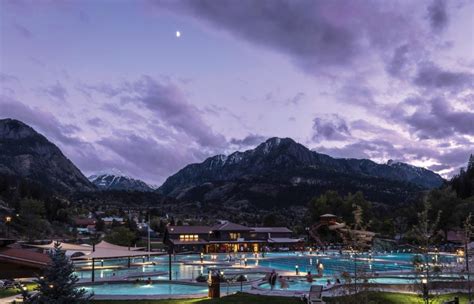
(111, 181)
(282, 160)
(28, 154)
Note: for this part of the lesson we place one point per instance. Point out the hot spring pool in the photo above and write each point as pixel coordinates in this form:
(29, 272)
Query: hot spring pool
(156, 289)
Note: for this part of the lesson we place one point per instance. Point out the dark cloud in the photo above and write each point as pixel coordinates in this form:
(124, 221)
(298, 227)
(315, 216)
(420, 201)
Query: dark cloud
(399, 60)
(156, 162)
(436, 119)
(57, 91)
(302, 29)
(170, 105)
(315, 34)
(96, 122)
(358, 94)
(250, 140)
(103, 88)
(44, 121)
(448, 160)
(331, 127)
(23, 31)
(431, 76)
(295, 100)
(438, 15)
(167, 103)
(8, 78)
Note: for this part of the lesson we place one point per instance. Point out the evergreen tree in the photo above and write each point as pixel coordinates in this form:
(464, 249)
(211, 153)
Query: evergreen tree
(58, 284)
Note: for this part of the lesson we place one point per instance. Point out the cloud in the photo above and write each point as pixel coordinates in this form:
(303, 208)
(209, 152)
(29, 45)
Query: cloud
(295, 100)
(44, 121)
(431, 76)
(398, 62)
(57, 91)
(358, 94)
(167, 103)
(437, 15)
(4, 78)
(314, 34)
(303, 30)
(434, 118)
(250, 140)
(96, 122)
(23, 31)
(330, 128)
(155, 162)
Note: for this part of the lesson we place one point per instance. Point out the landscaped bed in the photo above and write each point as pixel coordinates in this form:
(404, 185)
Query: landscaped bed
(13, 291)
(242, 298)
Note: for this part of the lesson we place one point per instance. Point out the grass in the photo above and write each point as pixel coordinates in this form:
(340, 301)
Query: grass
(393, 298)
(14, 291)
(239, 298)
(242, 298)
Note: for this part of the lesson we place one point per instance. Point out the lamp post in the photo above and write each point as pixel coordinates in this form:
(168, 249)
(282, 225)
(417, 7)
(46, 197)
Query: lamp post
(8, 219)
(297, 270)
(202, 257)
(307, 234)
(424, 283)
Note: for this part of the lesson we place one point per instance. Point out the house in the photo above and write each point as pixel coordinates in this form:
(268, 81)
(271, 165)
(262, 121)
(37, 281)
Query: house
(85, 225)
(226, 236)
(110, 219)
(17, 262)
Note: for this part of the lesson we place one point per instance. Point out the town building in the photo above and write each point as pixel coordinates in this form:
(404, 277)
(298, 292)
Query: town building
(226, 236)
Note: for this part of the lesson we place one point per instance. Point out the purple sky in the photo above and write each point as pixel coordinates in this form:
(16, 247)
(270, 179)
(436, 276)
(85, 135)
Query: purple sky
(111, 84)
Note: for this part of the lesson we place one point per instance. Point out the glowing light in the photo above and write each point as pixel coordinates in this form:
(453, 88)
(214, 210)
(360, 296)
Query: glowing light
(178, 34)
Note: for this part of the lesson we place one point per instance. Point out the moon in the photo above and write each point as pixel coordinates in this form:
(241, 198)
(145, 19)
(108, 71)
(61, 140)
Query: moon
(178, 34)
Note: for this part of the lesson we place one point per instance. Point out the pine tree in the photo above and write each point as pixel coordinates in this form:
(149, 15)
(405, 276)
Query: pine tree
(58, 284)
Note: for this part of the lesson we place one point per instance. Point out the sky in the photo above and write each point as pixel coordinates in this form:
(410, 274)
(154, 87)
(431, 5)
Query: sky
(113, 86)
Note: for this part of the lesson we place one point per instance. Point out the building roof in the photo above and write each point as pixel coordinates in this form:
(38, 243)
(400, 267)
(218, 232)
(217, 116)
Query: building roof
(455, 236)
(84, 221)
(112, 218)
(284, 240)
(24, 256)
(328, 215)
(229, 226)
(64, 246)
(188, 229)
(109, 252)
(198, 242)
(106, 245)
(271, 229)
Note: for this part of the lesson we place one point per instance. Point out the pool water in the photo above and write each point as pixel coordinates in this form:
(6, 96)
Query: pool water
(187, 266)
(156, 289)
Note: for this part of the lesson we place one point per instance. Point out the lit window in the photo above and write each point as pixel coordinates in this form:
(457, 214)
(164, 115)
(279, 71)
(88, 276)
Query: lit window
(234, 236)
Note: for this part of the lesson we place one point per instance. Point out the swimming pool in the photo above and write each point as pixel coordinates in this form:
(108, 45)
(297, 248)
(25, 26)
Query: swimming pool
(188, 267)
(157, 289)
(302, 285)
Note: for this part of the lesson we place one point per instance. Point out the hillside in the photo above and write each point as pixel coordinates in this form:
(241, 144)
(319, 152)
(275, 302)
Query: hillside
(26, 154)
(283, 172)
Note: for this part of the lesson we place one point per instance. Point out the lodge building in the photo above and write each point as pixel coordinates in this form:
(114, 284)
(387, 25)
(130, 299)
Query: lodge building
(226, 236)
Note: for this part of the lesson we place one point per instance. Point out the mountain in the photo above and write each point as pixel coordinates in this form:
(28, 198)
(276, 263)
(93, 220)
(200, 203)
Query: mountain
(106, 181)
(28, 155)
(281, 171)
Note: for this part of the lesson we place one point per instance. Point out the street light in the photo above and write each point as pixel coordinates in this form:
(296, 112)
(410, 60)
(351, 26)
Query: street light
(424, 282)
(297, 271)
(8, 219)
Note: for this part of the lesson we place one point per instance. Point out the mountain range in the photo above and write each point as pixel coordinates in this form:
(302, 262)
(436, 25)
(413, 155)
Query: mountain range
(26, 154)
(281, 171)
(278, 172)
(108, 181)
